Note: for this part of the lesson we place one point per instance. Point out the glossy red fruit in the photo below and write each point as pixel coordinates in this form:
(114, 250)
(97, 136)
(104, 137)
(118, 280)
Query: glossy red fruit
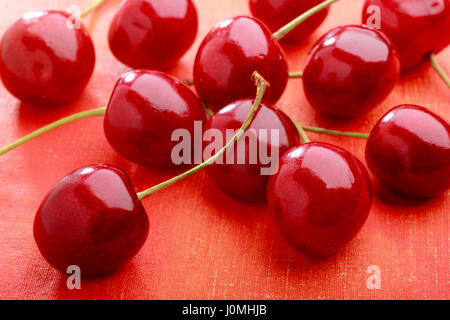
(43, 61)
(277, 13)
(416, 27)
(145, 108)
(153, 34)
(93, 219)
(320, 198)
(409, 151)
(244, 180)
(349, 71)
(229, 55)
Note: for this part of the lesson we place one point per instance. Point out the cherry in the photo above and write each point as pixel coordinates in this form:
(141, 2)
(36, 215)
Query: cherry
(417, 27)
(230, 53)
(350, 70)
(153, 34)
(246, 181)
(144, 109)
(92, 219)
(320, 198)
(43, 61)
(409, 151)
(234, 49)
(276, 13)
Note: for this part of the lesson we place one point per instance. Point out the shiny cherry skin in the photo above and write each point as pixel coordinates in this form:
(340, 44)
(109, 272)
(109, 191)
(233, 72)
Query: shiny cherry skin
(416, 27)
(145, 108)
(93, 219)
(43, 61)
(245, 181)
(153, 34)
(409, 151)
(277, 13)
(320, 198)
(229, 55)
(349, 71)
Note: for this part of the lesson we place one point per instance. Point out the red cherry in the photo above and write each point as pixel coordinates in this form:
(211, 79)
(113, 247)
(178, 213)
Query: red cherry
(277, 13)
(350, 70)
(93, 219)
(416, 27)
(409, 151)
(228, 56)
(320, 198)
(144, 109)
(245, 181)
(153, 34)
(43, 61)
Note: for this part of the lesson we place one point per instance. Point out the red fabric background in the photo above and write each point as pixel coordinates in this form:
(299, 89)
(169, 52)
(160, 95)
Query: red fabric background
(202, 244)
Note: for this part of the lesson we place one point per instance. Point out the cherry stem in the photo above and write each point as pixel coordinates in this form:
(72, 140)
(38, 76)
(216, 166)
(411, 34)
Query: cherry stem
(207, 110)
(261, 85)
(283, 31)
(77, 116)
(296, 74)
(337, 132)
(92, 7)
(188, 82)
(301, 132)
(439, 70)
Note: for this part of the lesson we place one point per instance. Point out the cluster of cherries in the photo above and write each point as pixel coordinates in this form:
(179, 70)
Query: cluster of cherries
(320, 196)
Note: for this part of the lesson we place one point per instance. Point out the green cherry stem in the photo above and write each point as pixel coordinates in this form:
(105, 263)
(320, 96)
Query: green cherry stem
(439, 70)
(296, 74)
(301, 131)
(207, 110)
(337, 132)
(261, 85)
(91, 8)
(294, 23)
(77, 116)
(188, 82)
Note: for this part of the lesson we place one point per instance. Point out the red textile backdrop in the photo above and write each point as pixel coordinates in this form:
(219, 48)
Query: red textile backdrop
(203, 244)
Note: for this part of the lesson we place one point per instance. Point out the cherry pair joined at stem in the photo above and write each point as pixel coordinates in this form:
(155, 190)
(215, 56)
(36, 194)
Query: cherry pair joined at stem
(94, 219)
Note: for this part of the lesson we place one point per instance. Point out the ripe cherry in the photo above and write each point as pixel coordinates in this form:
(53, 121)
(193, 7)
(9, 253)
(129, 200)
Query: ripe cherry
(43, 61)
(320, 198)
(350, 70)
(277, 13)
(92, 219)
(153, 34)
(145, 108)
(417, 27)
(234, 49)
(228, 56)
(245, 180)
(409, 151)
